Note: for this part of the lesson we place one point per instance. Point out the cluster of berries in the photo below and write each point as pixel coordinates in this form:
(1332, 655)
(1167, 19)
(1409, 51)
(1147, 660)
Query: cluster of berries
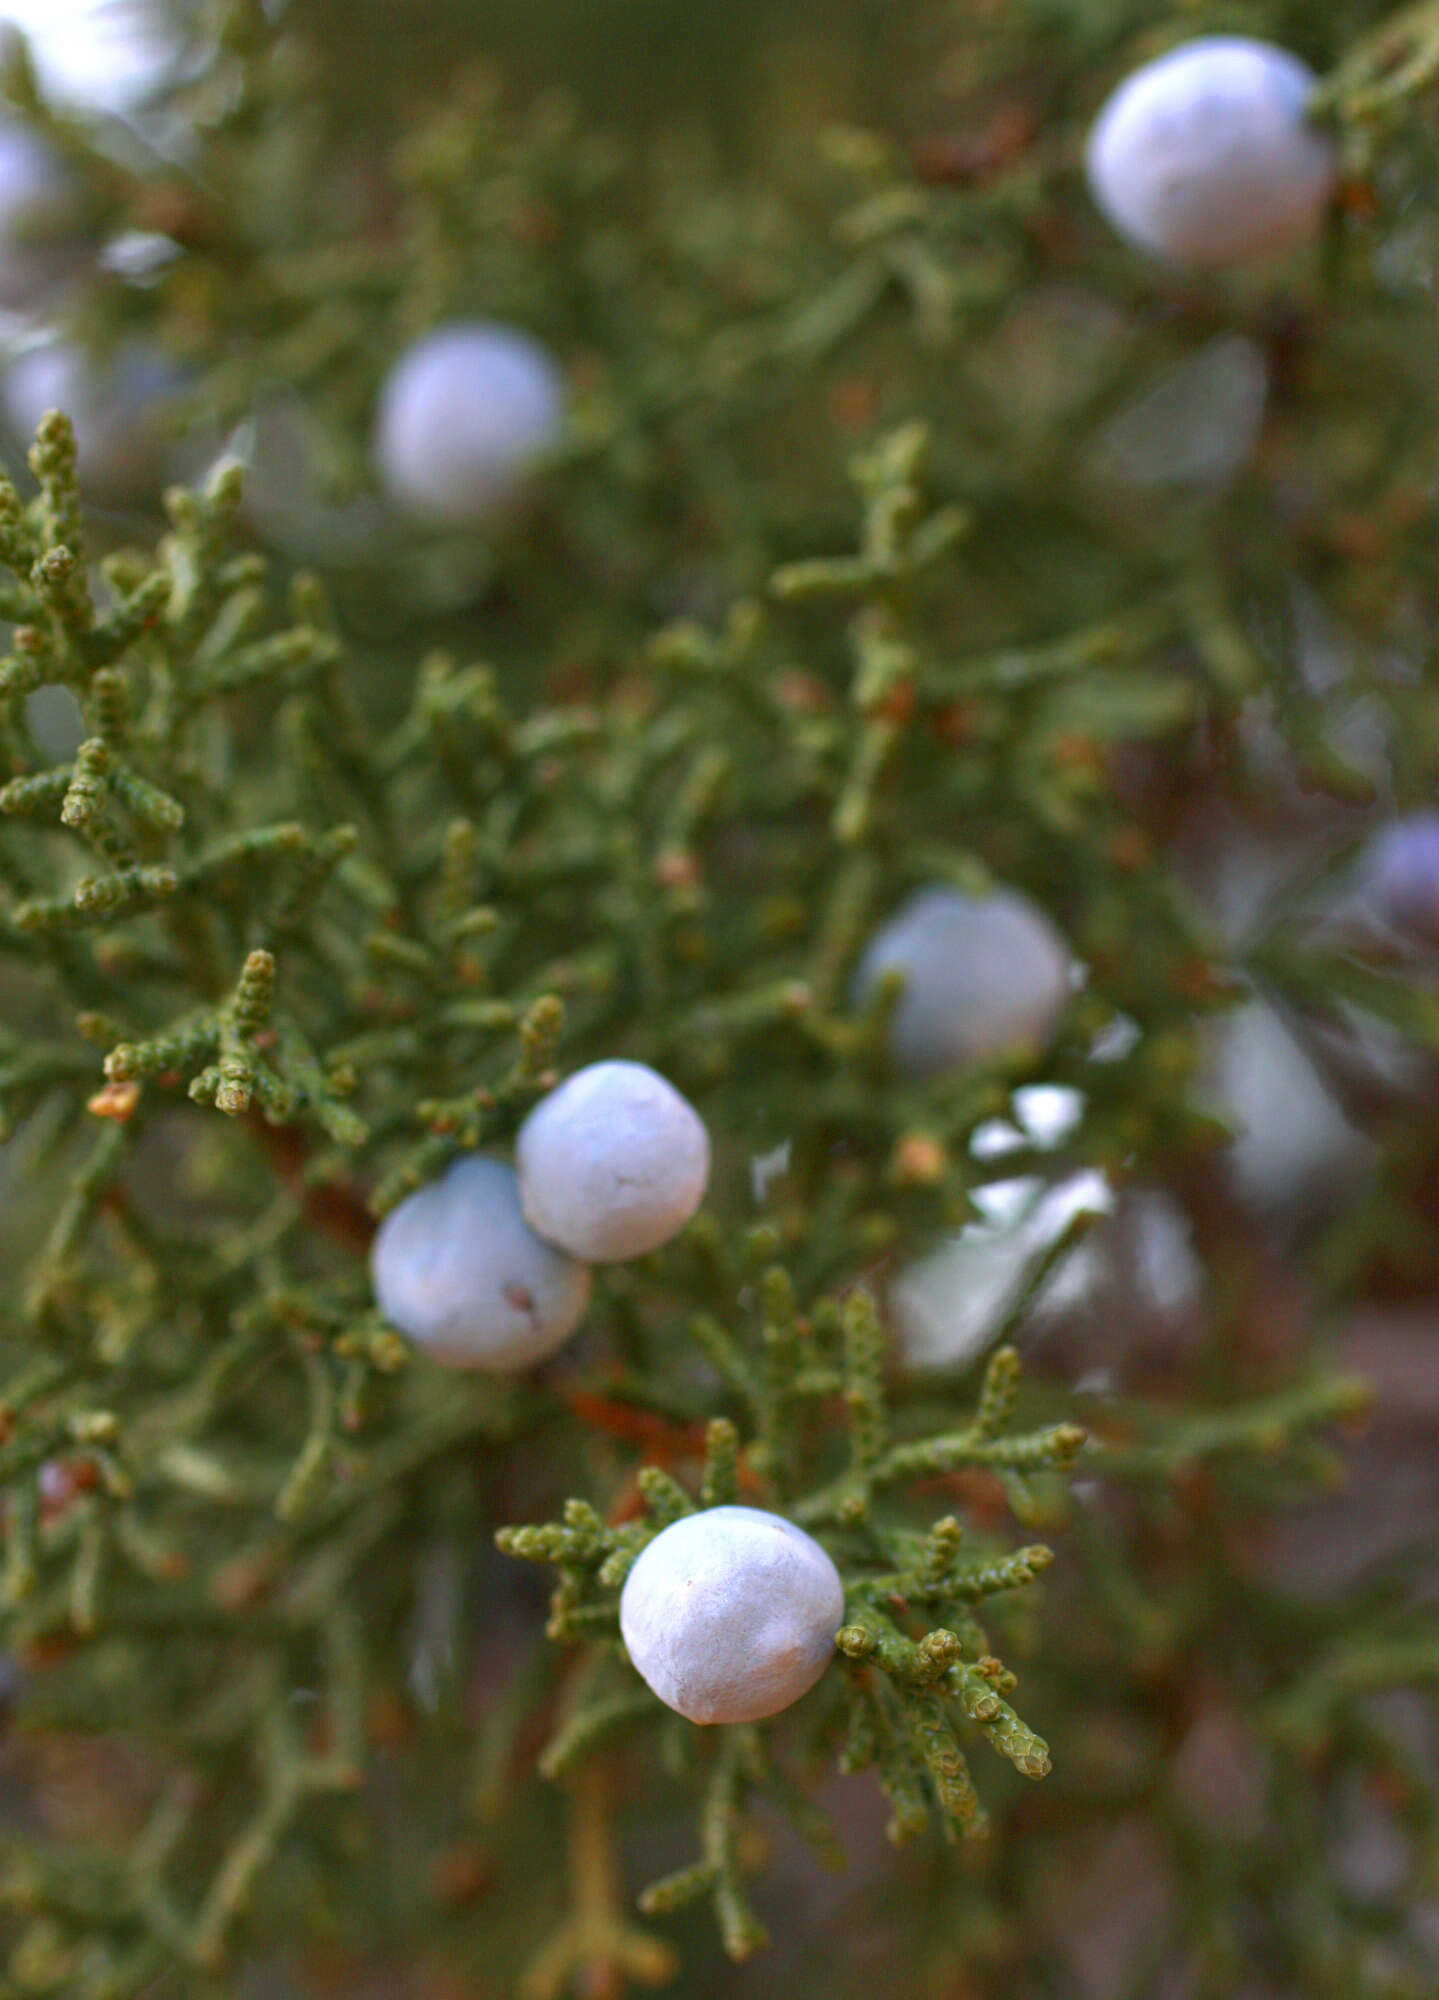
(1205, 158)
(729, 1614)
(488, 1267)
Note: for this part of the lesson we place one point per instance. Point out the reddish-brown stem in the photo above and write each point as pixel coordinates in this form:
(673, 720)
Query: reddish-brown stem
(335, 1207)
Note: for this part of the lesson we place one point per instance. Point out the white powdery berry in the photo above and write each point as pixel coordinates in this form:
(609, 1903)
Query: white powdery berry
(983, 976)
(1205, 156)
(1401, 876)
(613, 1163)
(465, 415)
(730, 1615)
(458, 1270)
(40, 223)
(119, 408)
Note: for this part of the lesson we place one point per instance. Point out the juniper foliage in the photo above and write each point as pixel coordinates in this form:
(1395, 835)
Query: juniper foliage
(855, 573)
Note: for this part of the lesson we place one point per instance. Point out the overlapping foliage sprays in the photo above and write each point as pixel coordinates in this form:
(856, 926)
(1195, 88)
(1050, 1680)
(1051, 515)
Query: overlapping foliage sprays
(617, 794)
